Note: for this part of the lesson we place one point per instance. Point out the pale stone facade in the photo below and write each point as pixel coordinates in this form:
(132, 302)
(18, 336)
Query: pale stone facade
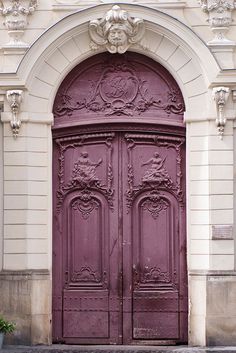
(195, 42)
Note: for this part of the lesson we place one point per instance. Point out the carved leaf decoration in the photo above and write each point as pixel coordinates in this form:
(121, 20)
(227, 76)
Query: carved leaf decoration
(96, 34)
(85, 274)
(154, 275)
(138, 30)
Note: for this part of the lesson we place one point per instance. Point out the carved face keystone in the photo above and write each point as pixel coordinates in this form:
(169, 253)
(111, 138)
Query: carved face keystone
(117, 36)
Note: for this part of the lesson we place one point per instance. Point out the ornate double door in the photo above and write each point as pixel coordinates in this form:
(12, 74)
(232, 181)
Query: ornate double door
(119, 264)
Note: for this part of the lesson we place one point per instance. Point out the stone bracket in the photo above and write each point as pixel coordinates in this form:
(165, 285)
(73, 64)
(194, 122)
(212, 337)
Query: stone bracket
(14, 98)
(220, 95)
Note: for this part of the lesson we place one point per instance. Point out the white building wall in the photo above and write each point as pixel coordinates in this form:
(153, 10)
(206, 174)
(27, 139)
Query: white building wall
(179, 42)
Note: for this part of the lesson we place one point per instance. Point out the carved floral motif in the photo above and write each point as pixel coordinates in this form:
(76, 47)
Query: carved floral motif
(16, 13)
(120, 91)
(116, 31)
(83, 176)
(152, 276)
(86, 274)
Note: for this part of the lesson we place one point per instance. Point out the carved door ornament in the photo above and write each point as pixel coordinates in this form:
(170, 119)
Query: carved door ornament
(157, 172)
(156, 177)
(155, 204)
(116, 31)
(84, 176)
(119, 91)
(85, 203)
(86, 274)
(84, 171)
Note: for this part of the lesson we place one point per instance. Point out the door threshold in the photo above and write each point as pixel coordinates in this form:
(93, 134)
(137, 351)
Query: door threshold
(56, 348)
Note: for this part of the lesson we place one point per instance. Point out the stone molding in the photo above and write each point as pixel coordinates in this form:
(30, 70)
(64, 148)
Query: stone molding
(14, 98)
(220, 19)
(220, 95)
(116, 31)
(16, 13)
(73, 5)
(191, 60)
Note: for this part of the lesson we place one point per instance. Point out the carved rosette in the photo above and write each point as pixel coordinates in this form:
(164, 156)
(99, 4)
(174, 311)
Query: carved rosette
(116, 31)
(220, 19)
(220, 95)
(155, 178)
(16, 14)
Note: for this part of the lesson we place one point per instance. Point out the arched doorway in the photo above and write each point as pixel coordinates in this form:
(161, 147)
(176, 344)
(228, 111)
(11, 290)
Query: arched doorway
(119, 244)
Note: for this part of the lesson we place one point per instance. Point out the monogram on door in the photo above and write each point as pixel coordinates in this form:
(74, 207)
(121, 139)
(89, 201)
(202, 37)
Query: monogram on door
(119, 247)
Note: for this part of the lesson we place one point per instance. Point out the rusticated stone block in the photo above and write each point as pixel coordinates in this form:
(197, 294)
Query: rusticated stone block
(221, 309)
(26, 300)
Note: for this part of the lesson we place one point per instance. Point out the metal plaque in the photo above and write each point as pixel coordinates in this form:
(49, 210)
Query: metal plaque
(222, 232)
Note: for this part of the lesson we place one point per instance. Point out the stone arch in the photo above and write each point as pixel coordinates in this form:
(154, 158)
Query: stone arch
(66, 44)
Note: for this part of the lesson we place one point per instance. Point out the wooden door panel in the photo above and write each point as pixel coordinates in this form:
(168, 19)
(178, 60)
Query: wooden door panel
(153, 240)
(86, 239)
(158, 326)
(86, 314)
(153, 204)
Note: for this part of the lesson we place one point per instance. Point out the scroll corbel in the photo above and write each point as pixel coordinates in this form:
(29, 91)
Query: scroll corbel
(221, 95)
(14, 98)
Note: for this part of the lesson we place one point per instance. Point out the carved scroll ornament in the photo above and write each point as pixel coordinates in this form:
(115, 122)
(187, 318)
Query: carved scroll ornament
(155, 204)
(120, 91)
(220, 95)
(116, 31)
(14, 98)
(151, 276)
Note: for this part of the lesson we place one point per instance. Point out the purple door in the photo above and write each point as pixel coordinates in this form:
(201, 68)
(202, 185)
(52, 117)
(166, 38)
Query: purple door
(119, 252)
